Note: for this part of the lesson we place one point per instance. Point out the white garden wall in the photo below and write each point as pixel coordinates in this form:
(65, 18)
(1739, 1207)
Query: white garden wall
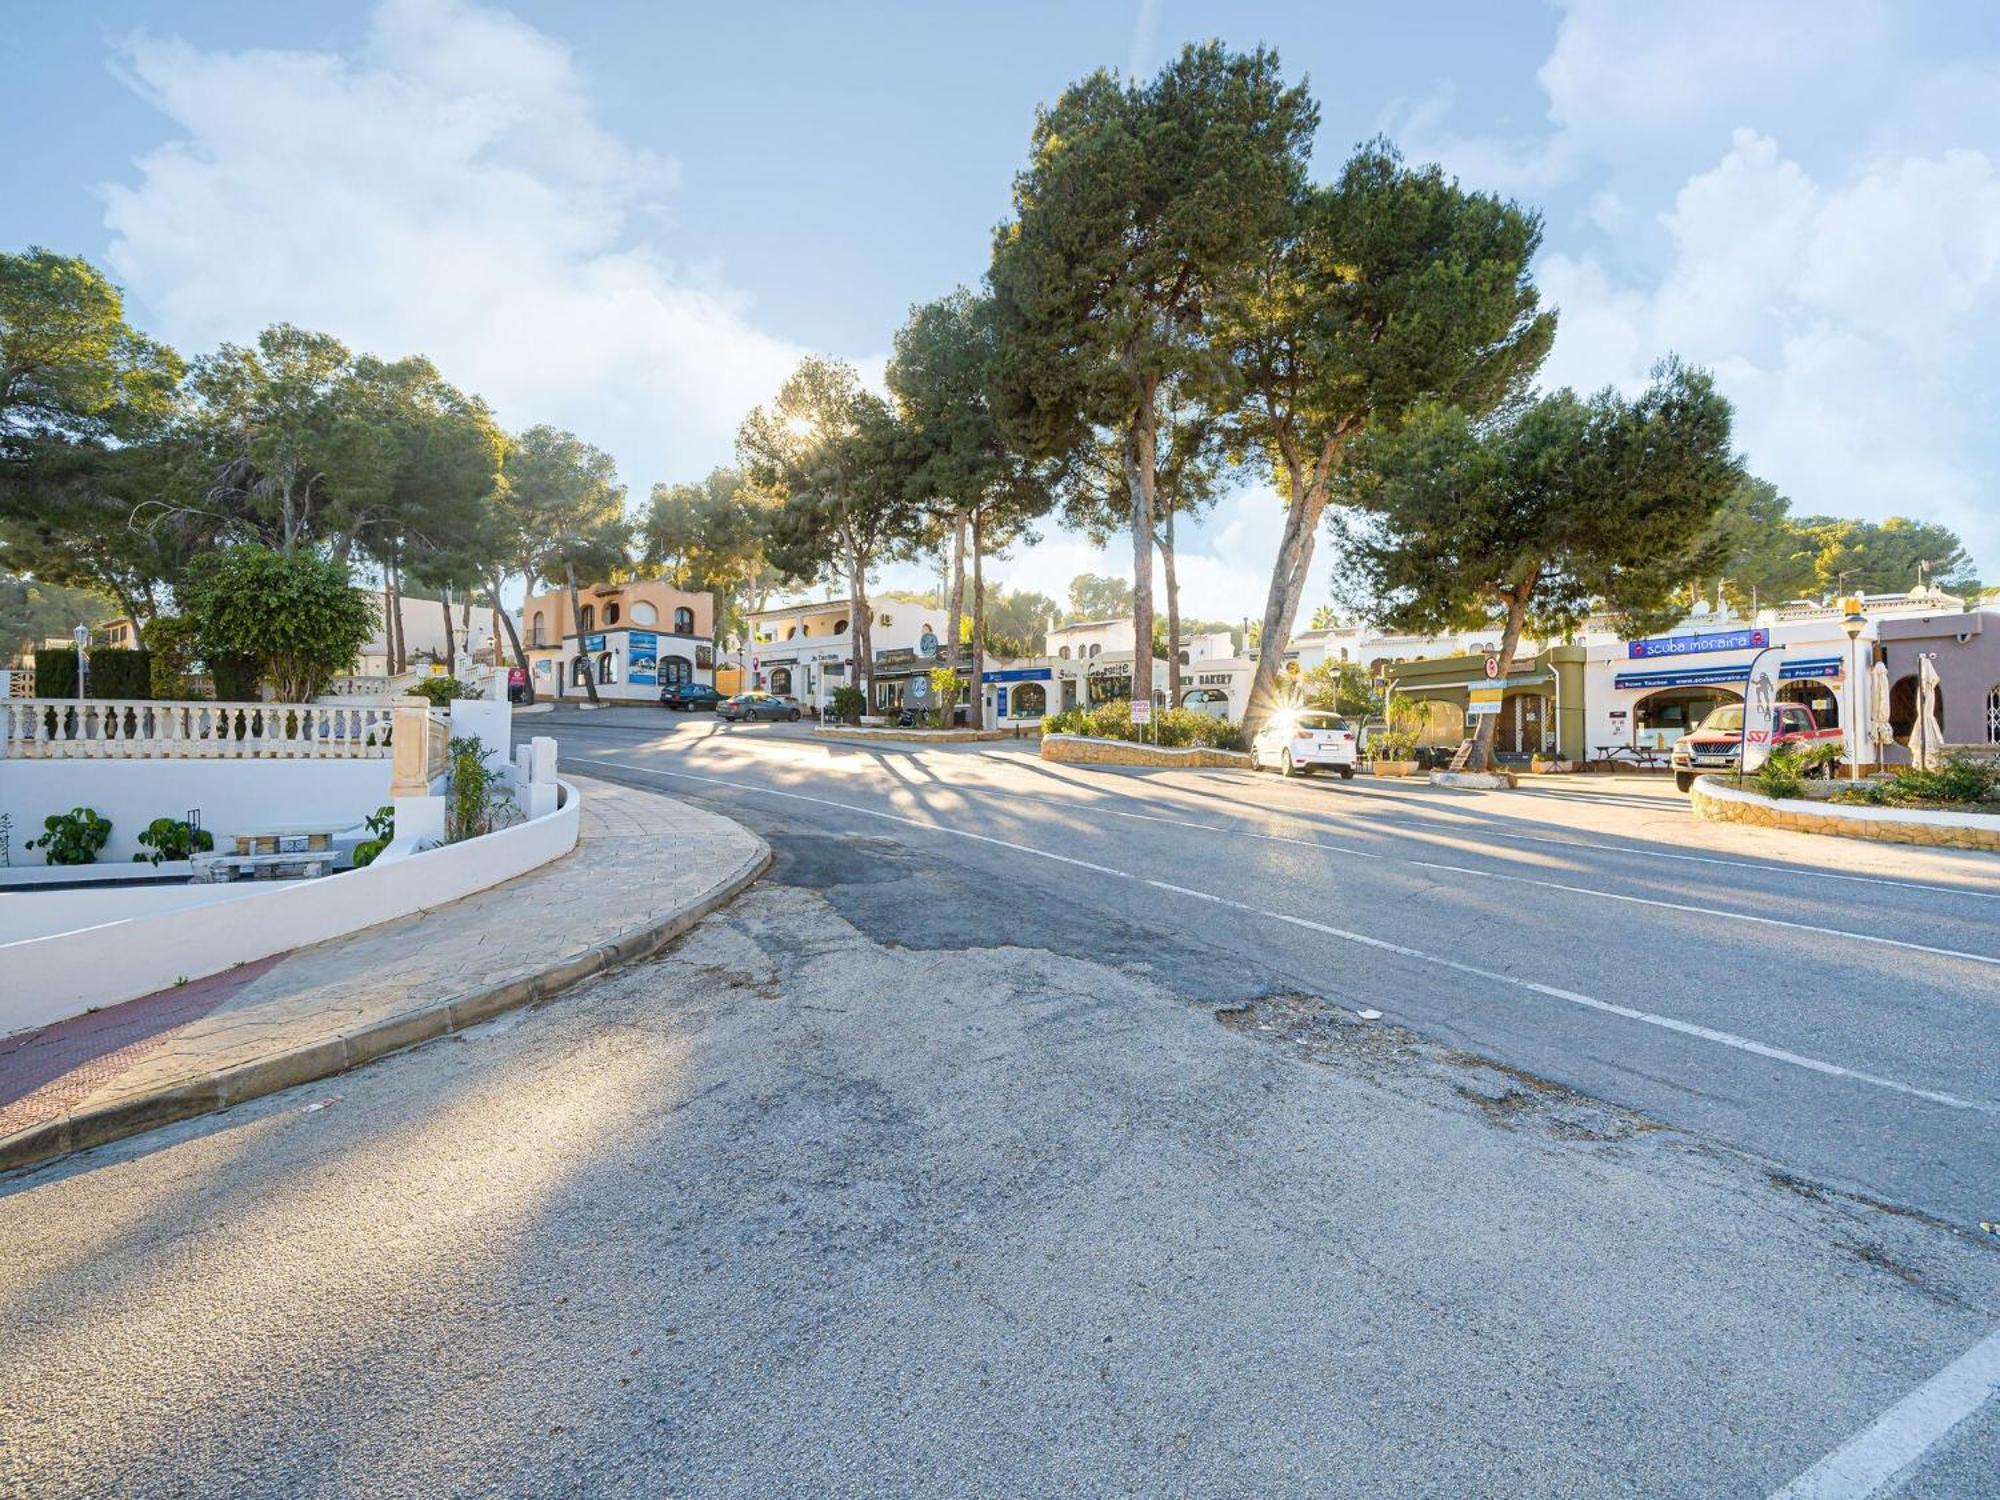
(47, 979)
(233, 795)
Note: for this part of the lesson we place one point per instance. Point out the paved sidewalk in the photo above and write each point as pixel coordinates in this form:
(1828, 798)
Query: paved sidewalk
(646, 868)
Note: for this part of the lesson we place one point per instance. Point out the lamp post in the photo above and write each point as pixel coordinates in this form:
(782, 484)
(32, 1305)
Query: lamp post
(1853, 622)
(81, 635)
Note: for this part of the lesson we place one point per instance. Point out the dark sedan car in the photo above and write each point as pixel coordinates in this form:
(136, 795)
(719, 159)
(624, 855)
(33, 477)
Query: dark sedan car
(687, 696)
(760, 706)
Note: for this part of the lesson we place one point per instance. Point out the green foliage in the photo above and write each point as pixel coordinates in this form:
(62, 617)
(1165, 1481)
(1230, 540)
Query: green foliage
(381, 833)
(475, 801)
(1095, 597)
(55, 672)
(439, 691)
(1761, 551)
(71, 368)
(73, 838)
(1958, 782)
(1174, 728)
(173, 838)
(170, 640)
(945, 684)
(1343, 686)
(298, 615)
(121, 674)
(1408, 718)
(237, 678)
(849, 703)
(32, 609)
(1017, 623)
(1787, 768)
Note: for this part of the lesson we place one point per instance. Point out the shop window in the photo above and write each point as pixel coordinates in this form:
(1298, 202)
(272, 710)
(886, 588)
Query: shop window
(538, 631)
(781, 679)
(607, 667)
(1903, 707)
(675, 669)
(1029, 700)
(586, 619)
(1663, 717)
(1110, 687)
(579, 671)
(611, 614)
(644, 613)
(1815, 695)
(1095, 648)
(1993, 715)
(683, 621)
(840, 627)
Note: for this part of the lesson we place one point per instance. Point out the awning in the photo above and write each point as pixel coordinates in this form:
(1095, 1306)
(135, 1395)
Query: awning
(1819, 666)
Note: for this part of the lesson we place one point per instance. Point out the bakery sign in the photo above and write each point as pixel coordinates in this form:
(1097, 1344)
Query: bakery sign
(1697, 645)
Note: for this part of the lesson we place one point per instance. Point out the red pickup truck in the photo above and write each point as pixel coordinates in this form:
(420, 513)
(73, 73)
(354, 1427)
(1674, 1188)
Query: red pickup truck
(1715, 745)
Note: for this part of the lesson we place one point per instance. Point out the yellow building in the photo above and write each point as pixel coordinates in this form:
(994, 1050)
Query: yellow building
(640, 636)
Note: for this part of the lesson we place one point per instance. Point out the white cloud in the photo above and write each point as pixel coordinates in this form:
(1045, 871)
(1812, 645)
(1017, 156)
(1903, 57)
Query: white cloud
(1849, 322)
(446, 190)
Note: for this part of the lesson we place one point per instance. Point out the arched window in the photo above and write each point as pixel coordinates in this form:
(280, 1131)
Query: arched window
(781, 679)
(1095, 648)
(644, 613)
(1064, 653)
(611, 613)
(607, 667)
(1993, 715)
(579, 671)
(538, 631)
(840, 627)
(675, 669)
(1903, 707)
(1184, 658)
(1815, 695)
(1030, 701)
(791, 632)
(683, 621)
(586, 618)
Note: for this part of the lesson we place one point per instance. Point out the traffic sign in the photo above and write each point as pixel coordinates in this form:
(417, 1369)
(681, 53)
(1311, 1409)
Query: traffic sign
(1142, 713)
(1492, 666)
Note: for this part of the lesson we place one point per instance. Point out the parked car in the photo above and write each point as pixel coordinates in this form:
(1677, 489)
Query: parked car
(1717, 741)
(688, 696)
(760, 706)
(1299, 743)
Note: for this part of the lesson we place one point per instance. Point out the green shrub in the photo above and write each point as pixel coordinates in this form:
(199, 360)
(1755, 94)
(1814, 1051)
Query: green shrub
(173, 838)
(237, 678)
(1957, 782)
(298, 614)
(849, 703)
(381, 832)
(474, 800)
(1173, 728)
(55, 671)
(73, 838)
(170, 639)
(439, 691)
(121, 674)
(1782, 774)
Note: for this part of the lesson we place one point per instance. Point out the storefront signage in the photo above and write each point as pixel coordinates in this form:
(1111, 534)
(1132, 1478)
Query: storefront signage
(593, 643)
(642, 654)
(1019, 674)
(1695, 645)
(1823, 666)
(1484, 700)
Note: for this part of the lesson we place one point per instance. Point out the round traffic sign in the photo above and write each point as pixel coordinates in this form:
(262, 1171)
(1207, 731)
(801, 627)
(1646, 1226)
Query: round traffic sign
(1492, 666)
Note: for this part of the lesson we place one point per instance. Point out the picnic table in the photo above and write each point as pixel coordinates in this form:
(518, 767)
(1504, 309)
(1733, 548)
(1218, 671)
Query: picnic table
(1644, 756)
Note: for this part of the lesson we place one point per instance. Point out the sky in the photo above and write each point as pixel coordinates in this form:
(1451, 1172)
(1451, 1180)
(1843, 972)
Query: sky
(631, 219)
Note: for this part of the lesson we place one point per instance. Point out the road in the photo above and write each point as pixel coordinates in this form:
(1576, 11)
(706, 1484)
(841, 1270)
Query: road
(1030, 1130)
(1832, 1008)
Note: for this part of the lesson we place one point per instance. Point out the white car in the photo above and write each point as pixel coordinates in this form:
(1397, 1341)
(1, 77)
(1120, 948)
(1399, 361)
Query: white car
(1300, 741)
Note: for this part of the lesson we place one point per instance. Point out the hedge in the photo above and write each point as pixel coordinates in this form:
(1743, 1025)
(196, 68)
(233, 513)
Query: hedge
(237, 679)
(55, 672)
(113, 674)
(1172, 728)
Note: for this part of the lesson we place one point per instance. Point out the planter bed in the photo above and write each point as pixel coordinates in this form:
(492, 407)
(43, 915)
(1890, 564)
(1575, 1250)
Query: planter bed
(919, 736)
(1720, 801)
(1084, 749)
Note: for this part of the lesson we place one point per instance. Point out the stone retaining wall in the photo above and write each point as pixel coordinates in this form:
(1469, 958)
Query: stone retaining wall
(917, 736)
(1087, 750)
(1719, 802)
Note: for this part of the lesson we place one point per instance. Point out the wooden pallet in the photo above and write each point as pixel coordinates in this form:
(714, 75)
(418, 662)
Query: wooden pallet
(1461, 757)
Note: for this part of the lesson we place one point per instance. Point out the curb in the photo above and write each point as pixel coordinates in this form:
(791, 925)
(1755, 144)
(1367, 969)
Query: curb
(73, 1132)
(1089, 750)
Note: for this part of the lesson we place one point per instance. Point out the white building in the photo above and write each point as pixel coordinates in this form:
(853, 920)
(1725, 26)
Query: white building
(807, 650)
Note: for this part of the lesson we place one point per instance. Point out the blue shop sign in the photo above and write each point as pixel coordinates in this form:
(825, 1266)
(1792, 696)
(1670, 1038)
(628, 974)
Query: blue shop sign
(1818, 666)
(1694, 645)
(642, 654)
(593, 643)
(1019, 674)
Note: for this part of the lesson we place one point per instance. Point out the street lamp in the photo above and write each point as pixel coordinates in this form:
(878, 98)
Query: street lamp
(81, 635)
(1853, 622)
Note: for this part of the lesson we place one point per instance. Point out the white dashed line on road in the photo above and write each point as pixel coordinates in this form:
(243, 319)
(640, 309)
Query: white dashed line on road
(1571, 997)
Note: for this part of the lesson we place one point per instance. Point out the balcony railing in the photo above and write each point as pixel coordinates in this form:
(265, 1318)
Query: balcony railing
(140, 729)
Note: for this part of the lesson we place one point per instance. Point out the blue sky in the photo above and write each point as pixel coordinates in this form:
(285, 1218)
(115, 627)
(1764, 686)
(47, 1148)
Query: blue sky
(630, 219)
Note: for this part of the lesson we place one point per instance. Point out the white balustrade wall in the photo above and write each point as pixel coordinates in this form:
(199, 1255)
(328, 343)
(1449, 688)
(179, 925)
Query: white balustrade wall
(139, 729)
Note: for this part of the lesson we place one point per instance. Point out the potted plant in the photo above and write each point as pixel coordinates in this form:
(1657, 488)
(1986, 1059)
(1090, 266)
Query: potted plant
(1395, 749)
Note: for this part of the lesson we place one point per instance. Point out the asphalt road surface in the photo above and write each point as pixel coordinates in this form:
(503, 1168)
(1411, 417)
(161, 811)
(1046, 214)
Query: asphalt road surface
(1029, 1130)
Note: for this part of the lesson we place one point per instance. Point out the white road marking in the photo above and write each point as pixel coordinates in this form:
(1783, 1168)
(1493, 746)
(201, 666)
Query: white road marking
(1626, 1012)
(1893, 1444)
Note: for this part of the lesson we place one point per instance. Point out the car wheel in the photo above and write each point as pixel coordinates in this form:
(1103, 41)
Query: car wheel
(1684, 781)
(1286, 767)
(1347, 773)
(793, 716)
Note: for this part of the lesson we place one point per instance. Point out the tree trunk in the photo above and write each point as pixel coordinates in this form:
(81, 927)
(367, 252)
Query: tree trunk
(1173, 611)
(959, 593)
(1517, 615)
(514, 641)
(977, 717)
(450, 644)
(576, 620)
(1288, 585)
(392, 601)
(1139, 460)
(862, 633)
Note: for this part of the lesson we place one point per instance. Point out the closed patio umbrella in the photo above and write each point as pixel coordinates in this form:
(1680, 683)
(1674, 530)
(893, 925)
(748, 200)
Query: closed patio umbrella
(1879, 733)
(1927, 736)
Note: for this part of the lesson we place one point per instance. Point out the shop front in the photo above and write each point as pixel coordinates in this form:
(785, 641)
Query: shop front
(1537, 707)
(1018, 696)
